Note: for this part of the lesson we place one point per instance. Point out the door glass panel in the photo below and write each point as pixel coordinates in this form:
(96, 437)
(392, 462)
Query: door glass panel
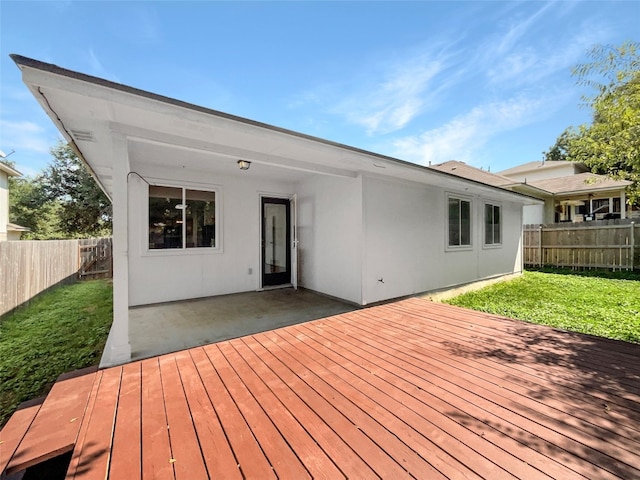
(275, 238)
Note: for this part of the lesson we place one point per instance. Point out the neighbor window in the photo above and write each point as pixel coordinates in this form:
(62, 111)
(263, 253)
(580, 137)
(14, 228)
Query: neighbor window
(181, 218)
(492, 225)
(459, 222)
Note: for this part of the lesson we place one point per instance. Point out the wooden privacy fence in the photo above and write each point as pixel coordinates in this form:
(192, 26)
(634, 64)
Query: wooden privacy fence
(29, 267)
(610, 244)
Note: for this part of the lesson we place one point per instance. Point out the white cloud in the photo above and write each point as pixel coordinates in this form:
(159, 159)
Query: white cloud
(392, 103)
(97, 68)
(24, 135)
(464, 135)
(523, 55)
(517, 30)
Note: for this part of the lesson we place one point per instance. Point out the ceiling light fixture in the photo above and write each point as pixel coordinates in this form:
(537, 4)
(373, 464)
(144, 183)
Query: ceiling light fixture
(244, 164)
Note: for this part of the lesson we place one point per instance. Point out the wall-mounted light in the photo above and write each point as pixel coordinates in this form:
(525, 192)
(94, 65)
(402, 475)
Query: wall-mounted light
(244, 164)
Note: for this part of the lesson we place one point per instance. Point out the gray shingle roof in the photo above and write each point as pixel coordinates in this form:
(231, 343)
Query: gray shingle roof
(463, 170)
(582, 182)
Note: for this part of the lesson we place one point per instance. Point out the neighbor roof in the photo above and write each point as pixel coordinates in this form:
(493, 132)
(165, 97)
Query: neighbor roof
(582, 182)
(541, 165)
(463, 170)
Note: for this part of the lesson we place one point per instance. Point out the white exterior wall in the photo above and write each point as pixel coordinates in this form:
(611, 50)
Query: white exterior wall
(353, 232)
(533, 214)
(330, 233)
(405, 231)
(544, 173)
(167, 275)
(4, 205)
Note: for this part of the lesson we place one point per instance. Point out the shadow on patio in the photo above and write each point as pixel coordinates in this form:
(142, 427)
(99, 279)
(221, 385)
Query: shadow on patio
(169, 327)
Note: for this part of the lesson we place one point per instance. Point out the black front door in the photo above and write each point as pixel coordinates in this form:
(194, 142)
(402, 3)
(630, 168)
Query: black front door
(276, 241)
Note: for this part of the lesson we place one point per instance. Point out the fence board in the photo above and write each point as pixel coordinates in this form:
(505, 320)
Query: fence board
(606, 244)
(29, 267)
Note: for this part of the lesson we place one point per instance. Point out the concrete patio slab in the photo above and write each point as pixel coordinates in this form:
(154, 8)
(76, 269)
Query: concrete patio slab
(170, 327)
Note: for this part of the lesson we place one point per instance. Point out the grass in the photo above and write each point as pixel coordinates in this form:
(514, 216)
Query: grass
(606, 304)
(60, 331)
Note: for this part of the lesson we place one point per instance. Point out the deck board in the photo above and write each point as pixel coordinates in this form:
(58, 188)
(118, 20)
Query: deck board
(410, 389)
(126, 454)
(15, 430)
(311, 455)
(56, 425)
(214, 445)
(492, 379)
(157, 458)
(187, 459)
(281, 456)
(439, 390)
(248, 452)
(457, 441)
(93, 457)
(300, 400)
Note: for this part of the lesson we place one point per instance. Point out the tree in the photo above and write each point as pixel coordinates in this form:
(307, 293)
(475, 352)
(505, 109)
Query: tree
(611, 144)
(30, 207)
(560, 150)
(85, 209)
(63, 202)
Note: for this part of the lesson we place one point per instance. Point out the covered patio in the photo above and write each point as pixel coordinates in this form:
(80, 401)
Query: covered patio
(169, 327)
(411, 389)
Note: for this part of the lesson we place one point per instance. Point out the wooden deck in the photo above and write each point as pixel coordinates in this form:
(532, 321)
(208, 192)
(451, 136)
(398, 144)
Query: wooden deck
(411, 389)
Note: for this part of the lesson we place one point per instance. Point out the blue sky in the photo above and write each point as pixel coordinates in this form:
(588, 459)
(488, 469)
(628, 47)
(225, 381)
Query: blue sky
(487, 83)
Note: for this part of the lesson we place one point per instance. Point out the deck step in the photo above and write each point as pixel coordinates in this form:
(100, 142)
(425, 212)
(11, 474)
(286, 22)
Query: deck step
(16, 428)
(53, 429)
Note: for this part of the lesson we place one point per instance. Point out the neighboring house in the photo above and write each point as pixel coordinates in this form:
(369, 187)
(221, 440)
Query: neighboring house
(8, 231)
(206, 203)
(573, 194)
(569, 191)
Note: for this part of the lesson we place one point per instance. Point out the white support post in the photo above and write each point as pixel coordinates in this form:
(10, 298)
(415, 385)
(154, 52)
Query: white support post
(118, 348)
(623, 204)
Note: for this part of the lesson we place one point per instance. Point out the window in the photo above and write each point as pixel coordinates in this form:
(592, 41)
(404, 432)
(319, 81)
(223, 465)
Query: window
(181, 218)
(492, 225)
(459, 222)
(600, 205)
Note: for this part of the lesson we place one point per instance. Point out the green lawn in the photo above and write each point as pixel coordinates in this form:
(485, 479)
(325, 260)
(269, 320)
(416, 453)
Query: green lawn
(62, 330)
(576, 301)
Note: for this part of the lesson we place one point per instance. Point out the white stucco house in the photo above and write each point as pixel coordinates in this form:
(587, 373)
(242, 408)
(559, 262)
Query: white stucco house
(8, 230)
(206, 203)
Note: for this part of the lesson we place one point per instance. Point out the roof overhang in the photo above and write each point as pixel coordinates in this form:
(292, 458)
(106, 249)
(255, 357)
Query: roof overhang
(91, 112)
(10, 171)
(12, 227)
(593, 191)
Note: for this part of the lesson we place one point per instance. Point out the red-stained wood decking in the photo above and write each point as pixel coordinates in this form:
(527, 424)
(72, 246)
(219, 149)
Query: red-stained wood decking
(15, 429)
(410, 389)
(53, 429)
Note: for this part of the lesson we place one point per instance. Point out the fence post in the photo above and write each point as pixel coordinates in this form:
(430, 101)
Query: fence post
(540, 245)
(633, 244)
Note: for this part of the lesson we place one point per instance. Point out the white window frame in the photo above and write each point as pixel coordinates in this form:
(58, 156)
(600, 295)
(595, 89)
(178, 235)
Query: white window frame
(463, 198)
(484, 225)
(184, 250)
